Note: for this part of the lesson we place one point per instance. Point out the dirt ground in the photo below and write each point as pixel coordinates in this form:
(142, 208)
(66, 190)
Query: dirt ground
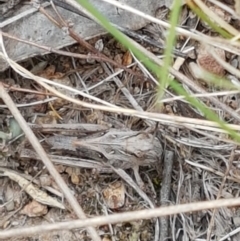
(182, 159)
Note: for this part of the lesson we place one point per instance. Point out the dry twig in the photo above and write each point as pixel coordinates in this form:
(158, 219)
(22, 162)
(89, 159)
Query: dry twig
(122, 217)
(41, 152)
(165, 193)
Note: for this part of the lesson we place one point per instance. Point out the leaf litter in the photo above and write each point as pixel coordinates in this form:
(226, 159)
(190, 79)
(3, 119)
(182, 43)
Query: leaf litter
(205, 163)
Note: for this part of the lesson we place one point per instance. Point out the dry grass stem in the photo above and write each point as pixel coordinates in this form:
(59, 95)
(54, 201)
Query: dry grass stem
(83, 102)
(47, 162)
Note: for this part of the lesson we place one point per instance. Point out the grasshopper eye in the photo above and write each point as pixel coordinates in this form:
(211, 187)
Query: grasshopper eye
(103, 133)
(100, 155)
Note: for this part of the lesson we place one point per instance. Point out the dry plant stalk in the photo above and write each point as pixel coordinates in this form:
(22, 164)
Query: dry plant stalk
(39, 149)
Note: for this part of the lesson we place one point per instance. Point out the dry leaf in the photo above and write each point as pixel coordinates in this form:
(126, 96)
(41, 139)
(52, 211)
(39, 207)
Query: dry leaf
(31, 189)
(34, 209)
(127, 59)
(49, 118)
(75, 177)
(115, 195)
(45, 180)
(206, 61)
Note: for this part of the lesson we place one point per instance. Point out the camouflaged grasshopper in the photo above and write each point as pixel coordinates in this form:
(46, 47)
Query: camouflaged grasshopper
(110, 147)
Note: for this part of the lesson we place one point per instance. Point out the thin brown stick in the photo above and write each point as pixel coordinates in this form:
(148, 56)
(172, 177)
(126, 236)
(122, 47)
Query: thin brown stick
(85, 44)
(165, 193)
(52, 50)
(40, 151)
(13, 88)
